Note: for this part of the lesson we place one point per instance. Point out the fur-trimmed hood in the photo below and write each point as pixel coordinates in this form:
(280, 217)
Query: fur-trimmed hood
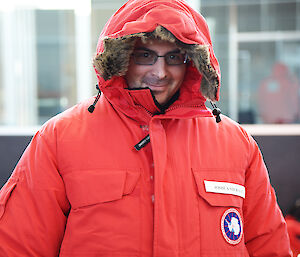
(170, 20)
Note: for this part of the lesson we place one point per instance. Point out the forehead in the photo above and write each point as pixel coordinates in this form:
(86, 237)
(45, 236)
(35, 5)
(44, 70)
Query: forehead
(156, 45)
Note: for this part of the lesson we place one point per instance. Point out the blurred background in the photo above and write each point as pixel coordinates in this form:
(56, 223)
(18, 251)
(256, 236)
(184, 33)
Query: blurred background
(46, 49)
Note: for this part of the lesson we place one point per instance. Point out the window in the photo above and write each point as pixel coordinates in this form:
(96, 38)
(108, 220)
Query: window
(257, 44)
(56, 62)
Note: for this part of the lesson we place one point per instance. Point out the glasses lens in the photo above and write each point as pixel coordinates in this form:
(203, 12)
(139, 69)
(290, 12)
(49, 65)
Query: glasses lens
(144, 57)
(175, 58)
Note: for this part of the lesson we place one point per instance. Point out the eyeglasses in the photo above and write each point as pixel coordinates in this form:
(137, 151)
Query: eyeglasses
(149, 57)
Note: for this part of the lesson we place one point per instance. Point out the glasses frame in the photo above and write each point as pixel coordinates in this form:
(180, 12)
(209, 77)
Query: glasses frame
(159, 56)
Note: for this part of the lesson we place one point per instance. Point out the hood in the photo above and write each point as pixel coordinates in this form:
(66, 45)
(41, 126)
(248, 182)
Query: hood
(145, 19)
(280, 70)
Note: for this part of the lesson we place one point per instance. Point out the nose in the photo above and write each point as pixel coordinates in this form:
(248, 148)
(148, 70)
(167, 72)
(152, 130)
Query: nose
(160, 68)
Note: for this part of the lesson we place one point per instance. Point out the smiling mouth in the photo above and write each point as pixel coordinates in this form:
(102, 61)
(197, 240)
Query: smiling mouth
(156, 87)
(156, 84)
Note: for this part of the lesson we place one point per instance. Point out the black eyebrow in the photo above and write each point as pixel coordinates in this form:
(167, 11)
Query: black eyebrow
(149, 50)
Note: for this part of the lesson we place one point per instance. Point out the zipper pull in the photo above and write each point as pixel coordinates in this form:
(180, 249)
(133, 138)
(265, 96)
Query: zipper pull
(92, 107)
(216, 112)
(142, 143)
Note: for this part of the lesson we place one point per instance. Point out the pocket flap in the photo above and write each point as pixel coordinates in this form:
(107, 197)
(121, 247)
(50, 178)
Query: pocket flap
(220, 188)
(5, 194)
(97, 186)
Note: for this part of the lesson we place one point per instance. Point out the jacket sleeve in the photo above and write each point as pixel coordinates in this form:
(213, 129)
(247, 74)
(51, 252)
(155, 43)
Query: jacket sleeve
(264, 226)
(33, 204)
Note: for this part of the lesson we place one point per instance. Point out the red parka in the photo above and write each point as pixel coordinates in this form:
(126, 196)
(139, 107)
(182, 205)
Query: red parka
(199, 188)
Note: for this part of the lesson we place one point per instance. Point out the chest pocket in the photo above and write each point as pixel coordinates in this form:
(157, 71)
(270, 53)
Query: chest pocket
(85, 188)
(220, 188)
(221, 193)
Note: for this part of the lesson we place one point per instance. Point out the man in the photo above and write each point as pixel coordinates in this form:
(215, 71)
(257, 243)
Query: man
(149, 171)
(282, 88)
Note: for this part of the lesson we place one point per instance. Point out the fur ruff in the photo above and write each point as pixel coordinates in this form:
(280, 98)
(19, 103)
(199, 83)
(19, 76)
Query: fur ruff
(114, 60)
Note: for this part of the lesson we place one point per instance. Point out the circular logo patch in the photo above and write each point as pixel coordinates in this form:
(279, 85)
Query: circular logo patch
(231, 226)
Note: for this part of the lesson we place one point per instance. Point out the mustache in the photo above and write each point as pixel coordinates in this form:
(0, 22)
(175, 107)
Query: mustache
(156, 81)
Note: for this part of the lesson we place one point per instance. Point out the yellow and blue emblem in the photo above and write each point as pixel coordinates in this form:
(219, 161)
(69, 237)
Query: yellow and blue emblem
(231, 226)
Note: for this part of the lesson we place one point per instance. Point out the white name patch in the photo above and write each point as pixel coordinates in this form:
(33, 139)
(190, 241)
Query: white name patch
(224, 188)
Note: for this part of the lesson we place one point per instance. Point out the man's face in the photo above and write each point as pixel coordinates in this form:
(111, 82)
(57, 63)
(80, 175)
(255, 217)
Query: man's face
(162, 78)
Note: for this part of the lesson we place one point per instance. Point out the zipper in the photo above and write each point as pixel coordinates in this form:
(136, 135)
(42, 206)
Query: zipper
(182, 105)
(148, 112)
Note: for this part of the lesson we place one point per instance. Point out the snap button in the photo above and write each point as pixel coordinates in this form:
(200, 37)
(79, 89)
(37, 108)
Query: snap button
(144, 127)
